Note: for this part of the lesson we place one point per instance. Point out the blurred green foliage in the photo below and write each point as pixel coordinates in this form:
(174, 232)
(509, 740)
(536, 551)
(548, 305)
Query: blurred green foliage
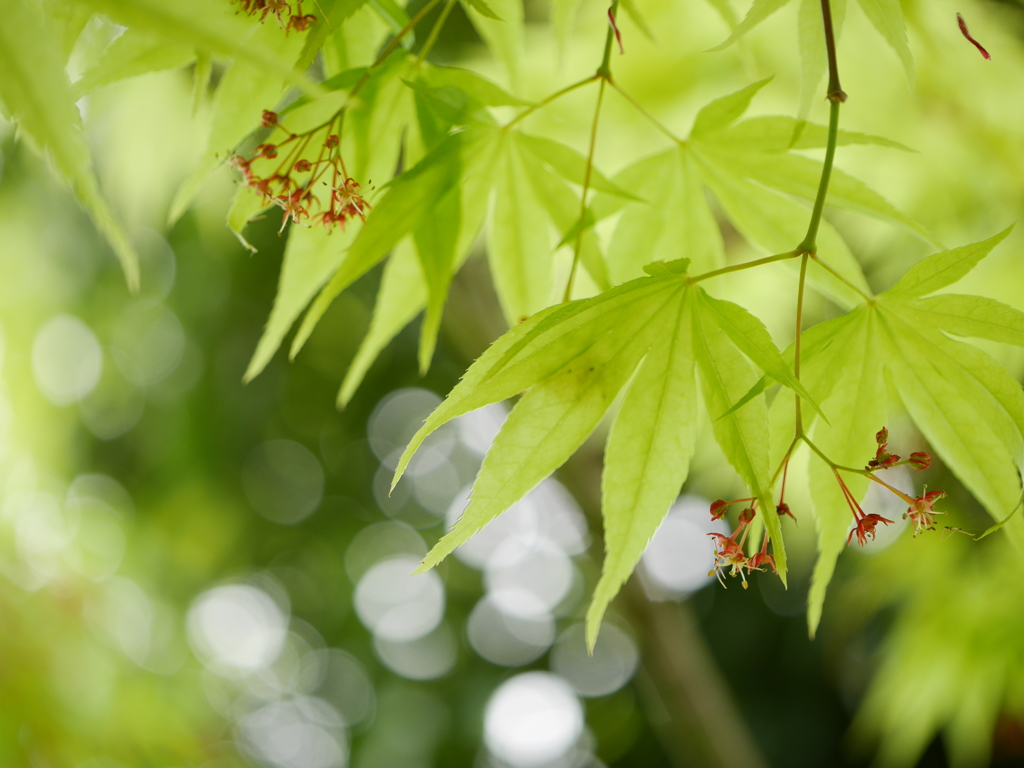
(124, 453)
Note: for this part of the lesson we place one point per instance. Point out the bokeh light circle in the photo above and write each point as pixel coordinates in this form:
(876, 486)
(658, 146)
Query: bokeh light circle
(532, 719)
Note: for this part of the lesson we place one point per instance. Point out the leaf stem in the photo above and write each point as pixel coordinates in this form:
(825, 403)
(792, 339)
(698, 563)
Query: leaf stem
(604, 73)
(432, 38)
(796, 341)
(836, 96)
(392, 45)
(553, 97)
(651, 118)
(605, 70)
(839, 277)
(586, 188)
(745, 265)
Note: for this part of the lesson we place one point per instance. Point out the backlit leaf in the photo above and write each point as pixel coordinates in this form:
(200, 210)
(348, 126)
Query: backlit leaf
(942, 269)
(36, 92)
(648, 455)
(857, 409)
(887, 17)
(133, 53)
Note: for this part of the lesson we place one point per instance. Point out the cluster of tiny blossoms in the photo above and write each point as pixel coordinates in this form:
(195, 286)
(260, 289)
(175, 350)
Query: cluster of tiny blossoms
(308, 190)
(287, 17)
(729, 550)
(920, 509)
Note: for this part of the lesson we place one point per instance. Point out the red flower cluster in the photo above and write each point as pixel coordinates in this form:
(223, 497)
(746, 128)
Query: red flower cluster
(295, 183)
(729, 549)
(282, 9)
(884, 460)
(920, 510)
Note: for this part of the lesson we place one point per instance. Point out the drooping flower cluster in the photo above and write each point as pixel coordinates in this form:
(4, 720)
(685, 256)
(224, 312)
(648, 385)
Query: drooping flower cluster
(729, 552)
(309, 189)
(287, 17)
(920, 510)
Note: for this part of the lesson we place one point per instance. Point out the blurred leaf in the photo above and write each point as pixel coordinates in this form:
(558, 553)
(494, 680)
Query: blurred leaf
(811, 37)
(395, 17)
(562, 14)
(505, 36)
(408, 203)
(36, 92)
(723, 112)
(518, 242)
(201, 80)
(478, 87)
(402, 296)
(246, 205)
(678, 218)
(311, 255)
(216, 28)
(242, 95)
(799, 176)
(633, 11)
(68, 19)
(570, 164)
(331, 15)
(482, 8)
(887, 16)
(133, 53)
(778, 224)
(562, 204)
(772, 133)
(759, 11)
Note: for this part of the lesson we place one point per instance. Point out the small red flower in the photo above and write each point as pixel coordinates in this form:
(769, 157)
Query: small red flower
(921, 513)
(865, 528)
(332, 141)
(266, 150)
(301, 23)
(269, 119)
(763, 558)
(303, 165)
(882, 436)
(729, 554)
(784, 510)
(883, 459)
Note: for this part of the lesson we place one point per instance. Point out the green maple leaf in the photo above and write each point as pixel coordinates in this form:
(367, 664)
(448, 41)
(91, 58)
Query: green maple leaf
(653, 337)
(968, 407)
(885, 15)
(764, 187)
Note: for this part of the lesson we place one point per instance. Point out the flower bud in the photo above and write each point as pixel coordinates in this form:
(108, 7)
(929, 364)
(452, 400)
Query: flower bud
(269, 119)
(882, 436)
(920, 460)
(718, 509)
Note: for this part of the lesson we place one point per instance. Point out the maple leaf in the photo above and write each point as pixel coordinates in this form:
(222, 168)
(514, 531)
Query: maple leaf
(655, 337)
(968, 407)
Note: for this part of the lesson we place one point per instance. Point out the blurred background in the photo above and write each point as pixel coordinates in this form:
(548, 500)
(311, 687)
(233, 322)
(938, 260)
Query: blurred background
(194, 572)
